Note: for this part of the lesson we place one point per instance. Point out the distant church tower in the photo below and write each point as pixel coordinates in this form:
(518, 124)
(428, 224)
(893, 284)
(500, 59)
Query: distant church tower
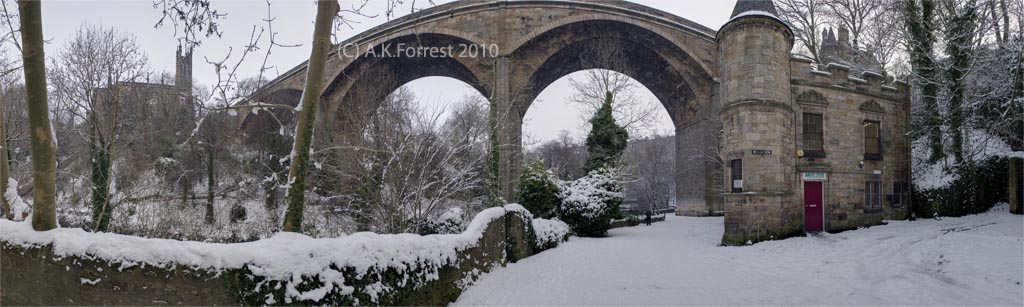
(183, 70)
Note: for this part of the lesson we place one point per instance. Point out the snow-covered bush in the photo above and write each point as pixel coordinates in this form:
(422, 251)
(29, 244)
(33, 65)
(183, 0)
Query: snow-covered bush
(590, 203)
(538, 191)
(451, 221)
(549, 233)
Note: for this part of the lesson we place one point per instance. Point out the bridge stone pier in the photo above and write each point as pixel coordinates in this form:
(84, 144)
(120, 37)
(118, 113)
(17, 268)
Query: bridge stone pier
(521, 48)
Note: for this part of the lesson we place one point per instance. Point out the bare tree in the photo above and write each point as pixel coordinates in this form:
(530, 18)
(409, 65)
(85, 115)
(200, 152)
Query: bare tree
(919, 16)
(806, 16)
(651, 168)
(630, 111)
(879, 39)
(91, 80)
(191, 19)
(404, 171)
(564, 155)
(855, 15)
(959, 32)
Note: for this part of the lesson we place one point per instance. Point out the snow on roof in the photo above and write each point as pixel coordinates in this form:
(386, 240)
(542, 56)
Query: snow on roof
(800, 57)
(834, 64)
(755, 13)
(866, 73)
(857, 80)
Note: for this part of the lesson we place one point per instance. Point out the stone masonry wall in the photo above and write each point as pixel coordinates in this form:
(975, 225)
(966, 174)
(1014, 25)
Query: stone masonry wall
(845, 102)
(36, 276)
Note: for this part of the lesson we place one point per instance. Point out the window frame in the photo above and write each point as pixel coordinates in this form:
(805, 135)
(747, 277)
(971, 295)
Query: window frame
(873, 156)
(813, 153)
(899, 194)
(872, 195)
(735, 172)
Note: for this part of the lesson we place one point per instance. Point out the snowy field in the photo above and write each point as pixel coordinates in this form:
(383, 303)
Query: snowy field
(974, 260)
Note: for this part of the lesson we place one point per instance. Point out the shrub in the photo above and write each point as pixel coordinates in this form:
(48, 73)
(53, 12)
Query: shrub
(590, 203)
(451, 221)
(977, 186)
(238, 214)
(538, 191)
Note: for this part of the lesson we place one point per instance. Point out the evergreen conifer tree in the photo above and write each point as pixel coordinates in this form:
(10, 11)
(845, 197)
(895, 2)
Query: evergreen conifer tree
(606, 140)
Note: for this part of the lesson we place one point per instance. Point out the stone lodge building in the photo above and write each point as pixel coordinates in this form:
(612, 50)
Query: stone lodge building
(807, 147)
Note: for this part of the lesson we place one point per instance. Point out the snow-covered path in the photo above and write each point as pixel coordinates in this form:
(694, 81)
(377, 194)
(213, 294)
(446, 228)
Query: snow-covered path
(974, 260)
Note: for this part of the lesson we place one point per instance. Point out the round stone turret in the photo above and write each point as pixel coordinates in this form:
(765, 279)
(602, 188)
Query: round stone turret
(754, 49)
(757, 115)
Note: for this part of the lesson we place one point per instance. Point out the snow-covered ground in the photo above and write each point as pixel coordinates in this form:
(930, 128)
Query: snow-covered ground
(974, 260)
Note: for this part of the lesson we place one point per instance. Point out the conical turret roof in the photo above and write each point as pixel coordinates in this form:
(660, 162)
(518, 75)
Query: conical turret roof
(743, 6)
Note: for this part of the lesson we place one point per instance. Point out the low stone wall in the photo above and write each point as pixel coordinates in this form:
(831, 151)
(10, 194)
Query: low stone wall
(630, 222)
(754, 217)
(41, 275)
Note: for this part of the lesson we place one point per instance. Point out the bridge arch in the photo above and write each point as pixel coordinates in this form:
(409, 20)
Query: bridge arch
(380, 70)
(539, 41)
(682, 85)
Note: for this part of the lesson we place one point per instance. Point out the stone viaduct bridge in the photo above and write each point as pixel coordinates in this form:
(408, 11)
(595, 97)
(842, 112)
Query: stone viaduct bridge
(526, 46)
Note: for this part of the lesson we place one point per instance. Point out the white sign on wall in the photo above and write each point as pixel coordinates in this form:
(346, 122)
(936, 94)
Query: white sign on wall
(815, 176)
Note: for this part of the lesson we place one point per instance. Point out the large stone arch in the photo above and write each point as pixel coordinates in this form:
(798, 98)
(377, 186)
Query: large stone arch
(679, 64)
(370, 77)
(679, 80)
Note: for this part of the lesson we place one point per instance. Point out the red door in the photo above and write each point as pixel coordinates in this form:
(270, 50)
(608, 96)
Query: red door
(813, 206)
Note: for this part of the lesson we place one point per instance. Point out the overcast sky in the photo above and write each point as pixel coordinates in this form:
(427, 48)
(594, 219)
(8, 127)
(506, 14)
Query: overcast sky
(294, 25)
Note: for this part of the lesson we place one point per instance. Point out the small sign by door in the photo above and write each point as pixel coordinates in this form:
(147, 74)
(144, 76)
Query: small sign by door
(815, 176)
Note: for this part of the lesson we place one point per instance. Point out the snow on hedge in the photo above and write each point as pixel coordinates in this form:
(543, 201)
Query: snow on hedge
(519, 209)
(550, 232)
(588, 195)
(285, 257)
(288, 259)
(978, 144)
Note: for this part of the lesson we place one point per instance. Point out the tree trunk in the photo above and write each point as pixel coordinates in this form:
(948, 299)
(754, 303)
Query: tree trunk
(326, 10)
(44, 147)
(920, 23)
(101, 169)
(5, 166)
(1016, 169)
(959, 37)
(1015, 182)
(209, 183)
(270, 200)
